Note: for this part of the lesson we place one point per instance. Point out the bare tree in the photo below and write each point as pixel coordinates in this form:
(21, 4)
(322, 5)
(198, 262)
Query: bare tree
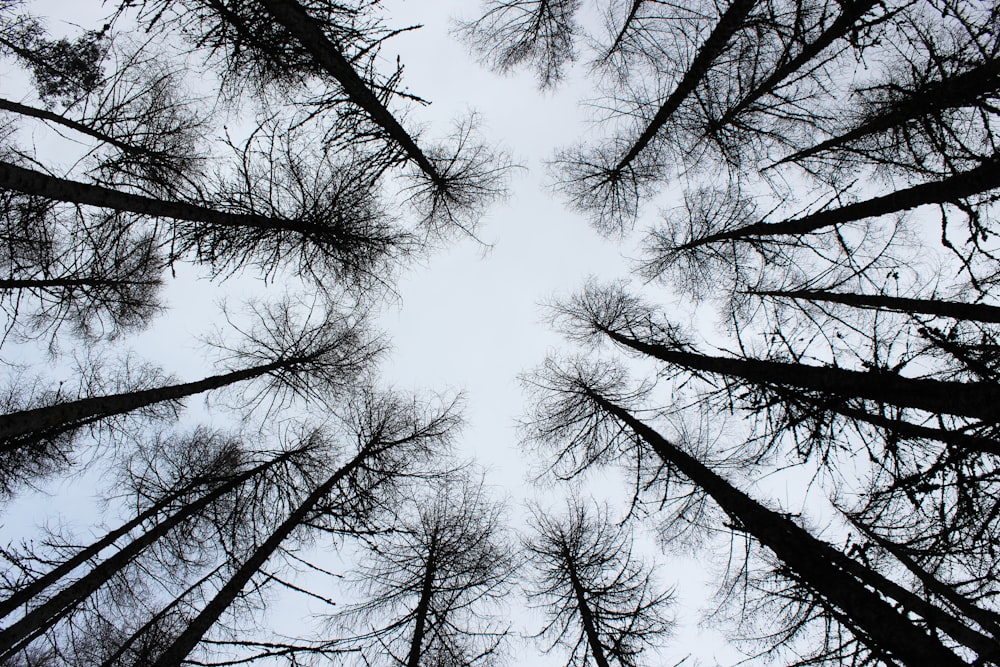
(601, 603)
(432, 586)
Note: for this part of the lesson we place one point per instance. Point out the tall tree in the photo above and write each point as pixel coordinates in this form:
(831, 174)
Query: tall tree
(431, 587)
(599, 600)
(584, 415)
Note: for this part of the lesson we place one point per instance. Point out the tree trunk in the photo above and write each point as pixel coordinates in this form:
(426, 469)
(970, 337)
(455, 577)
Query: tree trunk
(815, 563)
(978, 312)
(422, 610)
(44, 114)
(586, 615)
(632, 12)
(176, 653)
(297, 21)
(47, 614)
(730, 21)
(38, 184)
(39, 424)
(840, 28)
(966, 399)
(961, 90)
(42, 283)
(953, 188)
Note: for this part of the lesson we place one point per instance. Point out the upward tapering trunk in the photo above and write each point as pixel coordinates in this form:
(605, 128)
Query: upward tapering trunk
(730, 21)
(958, 91)
(840, 28)
(951, 189)
(626, 24)
(47, 614)
(978, 312)
(967, 399)
(586, 613)
(815, 563)
(36, 183)
(176, 653)
(29, 427)
(297, 21)
(422, 610)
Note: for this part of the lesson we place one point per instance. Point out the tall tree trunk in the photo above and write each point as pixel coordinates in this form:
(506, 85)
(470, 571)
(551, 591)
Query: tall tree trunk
(632, 12)
(44, 114)
(176, 653)
(730, 22)
(816, 564)
(423, 609)
(42, 283)
(28, 427)
(840, 28)
(967, 399)
(47, 614)
(953, 188)
(932, 98)
(30, 182)
(586, 614)
(978, 312)
(297, 21)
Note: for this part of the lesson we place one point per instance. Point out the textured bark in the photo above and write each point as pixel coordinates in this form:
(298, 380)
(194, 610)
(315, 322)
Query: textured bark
(816, 564)
(951, 189)
(47, 614)
(730, 21)
(978, 312)
(967, 399)
(295, 19)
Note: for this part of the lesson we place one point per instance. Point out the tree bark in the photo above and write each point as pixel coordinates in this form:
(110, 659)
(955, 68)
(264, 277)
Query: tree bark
(422, 610)
(298, 22)
(53, 420)
(730, 21)
(953, 188)
(817, 564)
(978, 312)
(47, 614)
(966, 399)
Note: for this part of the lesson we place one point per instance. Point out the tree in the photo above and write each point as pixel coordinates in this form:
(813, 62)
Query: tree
(394, 439)
(430, 587)
(289, 352)
(600, 602)
(583, 415)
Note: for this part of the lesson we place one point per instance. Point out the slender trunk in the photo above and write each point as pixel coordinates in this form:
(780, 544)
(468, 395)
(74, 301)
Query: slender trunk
(953, 188)
(988, 620)
(632, 12)
(44, 114)
(816, 564)
(43, 283)
(967, 399)
(730, 21)
(39, 184)
(297, 21)
(157, 617)
(840, 28)
(977, 312)
(422, 610)
(26, 594)
(586, 614)
(47, 614)
(176, 653)
(961, 90)
(52, 420)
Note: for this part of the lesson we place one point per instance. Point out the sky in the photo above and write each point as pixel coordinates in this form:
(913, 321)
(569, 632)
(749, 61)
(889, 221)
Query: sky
(469, 317)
